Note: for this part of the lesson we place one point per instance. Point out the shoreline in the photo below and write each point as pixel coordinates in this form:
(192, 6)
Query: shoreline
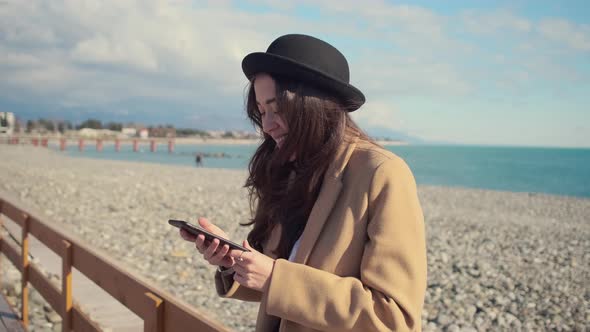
(243, 141)
(247, 142)
(419, 185)
(215, 141)
(177, 140)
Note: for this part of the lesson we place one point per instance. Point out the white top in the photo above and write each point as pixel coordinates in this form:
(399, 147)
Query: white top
(294, 250)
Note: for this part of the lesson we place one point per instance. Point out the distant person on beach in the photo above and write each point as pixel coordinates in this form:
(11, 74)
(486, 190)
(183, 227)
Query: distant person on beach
(338, 239)
(199, 159)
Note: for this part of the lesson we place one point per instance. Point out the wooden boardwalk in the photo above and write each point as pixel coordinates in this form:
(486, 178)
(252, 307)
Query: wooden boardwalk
(102, 307)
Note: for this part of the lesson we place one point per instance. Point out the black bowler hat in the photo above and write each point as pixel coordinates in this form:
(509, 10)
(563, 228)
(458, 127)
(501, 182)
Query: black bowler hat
(310, 60)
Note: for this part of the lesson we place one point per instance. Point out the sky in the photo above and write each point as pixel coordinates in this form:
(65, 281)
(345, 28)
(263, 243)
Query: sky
(499, 73)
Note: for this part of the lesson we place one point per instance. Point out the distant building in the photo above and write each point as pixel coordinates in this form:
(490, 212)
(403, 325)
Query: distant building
(129, 132)
(7, 123)
(215, 133)
(144, 133)
(162, 132)
(98, 133)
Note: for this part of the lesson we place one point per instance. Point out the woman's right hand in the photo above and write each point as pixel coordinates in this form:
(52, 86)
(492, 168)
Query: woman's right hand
(212, 252)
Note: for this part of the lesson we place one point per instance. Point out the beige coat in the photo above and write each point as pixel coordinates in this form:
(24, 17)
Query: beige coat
(361, 264)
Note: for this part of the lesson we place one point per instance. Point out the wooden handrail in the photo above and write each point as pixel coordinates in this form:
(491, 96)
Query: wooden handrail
(160, 310)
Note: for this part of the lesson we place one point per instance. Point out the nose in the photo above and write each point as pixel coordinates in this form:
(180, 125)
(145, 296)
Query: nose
(269, 122)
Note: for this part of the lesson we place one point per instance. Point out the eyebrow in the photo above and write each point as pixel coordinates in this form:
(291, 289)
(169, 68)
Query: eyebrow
(268, 101)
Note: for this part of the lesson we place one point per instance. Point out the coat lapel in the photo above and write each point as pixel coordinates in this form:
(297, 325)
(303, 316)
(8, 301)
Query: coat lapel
(331, 187)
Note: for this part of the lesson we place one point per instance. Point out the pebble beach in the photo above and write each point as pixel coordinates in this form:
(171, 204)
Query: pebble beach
(497, 261)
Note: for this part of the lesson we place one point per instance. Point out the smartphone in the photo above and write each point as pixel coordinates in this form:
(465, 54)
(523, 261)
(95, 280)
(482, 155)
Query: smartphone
(196, 230)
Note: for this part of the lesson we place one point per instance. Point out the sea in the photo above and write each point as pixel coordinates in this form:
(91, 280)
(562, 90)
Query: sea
(559, 171)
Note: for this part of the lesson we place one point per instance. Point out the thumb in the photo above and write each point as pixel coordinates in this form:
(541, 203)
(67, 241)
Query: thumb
(204, 222)
(208, 226)
(248, 246)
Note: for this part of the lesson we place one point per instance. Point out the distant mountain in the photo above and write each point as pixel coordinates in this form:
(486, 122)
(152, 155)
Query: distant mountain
(386, 133)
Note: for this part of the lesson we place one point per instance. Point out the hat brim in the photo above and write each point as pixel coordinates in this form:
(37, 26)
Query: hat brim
(261, 62)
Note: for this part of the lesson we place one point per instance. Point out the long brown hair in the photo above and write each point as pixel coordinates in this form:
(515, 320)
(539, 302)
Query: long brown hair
(318, 123)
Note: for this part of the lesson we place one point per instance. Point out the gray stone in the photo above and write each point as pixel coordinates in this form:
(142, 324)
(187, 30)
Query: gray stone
(452, 328)
(469, 313)
(468, 329)
(11, 300)
(37, 299)
(443, 319)
(431, 327)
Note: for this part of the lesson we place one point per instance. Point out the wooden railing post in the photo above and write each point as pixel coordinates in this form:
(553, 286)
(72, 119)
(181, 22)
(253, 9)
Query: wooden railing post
(66, 287)
(154, 322)
(25, 274)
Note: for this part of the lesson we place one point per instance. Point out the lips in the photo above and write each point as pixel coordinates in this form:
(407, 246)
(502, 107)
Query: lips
(279, 140)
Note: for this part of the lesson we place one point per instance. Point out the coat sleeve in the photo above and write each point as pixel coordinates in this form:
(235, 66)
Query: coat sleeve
(390, 292)
(228, 288)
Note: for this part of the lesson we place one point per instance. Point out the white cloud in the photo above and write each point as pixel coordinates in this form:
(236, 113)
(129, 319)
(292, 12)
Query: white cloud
(18, 59)
(494, 22)
(390, 75)
(575, 36)
(136, 37)
(377, 113)
(176, 40)
(48, 79)
(100, 50)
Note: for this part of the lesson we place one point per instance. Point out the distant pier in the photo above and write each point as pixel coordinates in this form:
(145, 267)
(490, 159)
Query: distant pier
(83, 142)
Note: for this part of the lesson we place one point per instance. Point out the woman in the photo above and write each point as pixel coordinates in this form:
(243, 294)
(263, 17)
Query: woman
(338, 237)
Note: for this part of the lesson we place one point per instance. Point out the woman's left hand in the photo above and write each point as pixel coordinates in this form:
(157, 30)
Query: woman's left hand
(253, 269)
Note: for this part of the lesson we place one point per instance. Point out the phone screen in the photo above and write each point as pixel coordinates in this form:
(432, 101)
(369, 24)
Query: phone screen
(196, 230)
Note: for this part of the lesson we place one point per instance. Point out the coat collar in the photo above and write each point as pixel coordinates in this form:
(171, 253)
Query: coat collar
(329, 192)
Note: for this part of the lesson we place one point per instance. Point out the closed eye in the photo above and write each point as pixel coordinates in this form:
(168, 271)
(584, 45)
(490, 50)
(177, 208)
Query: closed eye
(268, 103)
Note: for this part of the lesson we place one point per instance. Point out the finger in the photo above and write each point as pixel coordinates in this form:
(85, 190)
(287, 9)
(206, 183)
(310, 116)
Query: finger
(210, 251)
(235, 253)
(240, 269)
(219, 255)
(200, 243)
(246, 257)
(240, 279)
(228, 261)
(187, 236)
(207, 225)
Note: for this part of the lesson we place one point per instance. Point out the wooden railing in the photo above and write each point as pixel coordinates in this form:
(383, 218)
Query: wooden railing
(159, 310)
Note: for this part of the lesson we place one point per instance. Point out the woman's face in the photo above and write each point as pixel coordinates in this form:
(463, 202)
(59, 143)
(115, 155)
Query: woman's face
(273, 123)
